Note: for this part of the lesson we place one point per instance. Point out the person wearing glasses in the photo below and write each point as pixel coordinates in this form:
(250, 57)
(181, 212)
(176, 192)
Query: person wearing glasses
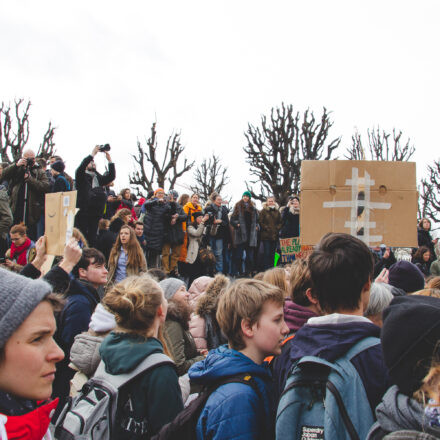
(22, 250)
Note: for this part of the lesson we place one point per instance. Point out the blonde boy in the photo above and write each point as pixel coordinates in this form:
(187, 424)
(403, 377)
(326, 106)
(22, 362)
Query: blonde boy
(250, 314)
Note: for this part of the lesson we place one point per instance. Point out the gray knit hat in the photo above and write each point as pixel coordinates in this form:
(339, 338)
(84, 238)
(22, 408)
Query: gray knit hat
(19, 296)
(170, 286)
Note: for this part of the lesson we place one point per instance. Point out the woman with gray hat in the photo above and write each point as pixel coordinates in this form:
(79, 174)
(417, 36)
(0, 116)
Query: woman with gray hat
(28, 354)
(178, 338)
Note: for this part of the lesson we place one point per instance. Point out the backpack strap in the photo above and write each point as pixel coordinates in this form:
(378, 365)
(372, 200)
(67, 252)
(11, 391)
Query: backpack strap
(360, 346)
(119, 380)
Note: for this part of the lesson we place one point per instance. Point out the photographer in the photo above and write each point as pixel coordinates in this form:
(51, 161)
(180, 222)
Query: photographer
(27, 185)
(92, 197)
(290, 218)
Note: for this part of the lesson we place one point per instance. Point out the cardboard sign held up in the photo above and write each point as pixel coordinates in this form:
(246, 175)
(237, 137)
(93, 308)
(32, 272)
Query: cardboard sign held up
(291, 249)
(60, 214)
(374, 201)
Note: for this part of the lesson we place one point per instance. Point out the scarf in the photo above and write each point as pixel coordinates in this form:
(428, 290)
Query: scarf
(20, 252)
(95, 181)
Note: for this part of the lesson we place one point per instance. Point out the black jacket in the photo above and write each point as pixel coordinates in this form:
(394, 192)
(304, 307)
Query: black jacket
(174, 234)
(290, 224)
(94, 199)
(156, 214)
(223, 227)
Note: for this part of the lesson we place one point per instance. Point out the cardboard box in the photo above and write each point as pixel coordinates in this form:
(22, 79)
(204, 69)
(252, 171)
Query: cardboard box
(374, 201)
(60, 210)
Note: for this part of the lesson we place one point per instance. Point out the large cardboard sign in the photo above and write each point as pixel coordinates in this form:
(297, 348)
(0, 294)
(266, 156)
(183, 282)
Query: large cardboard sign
(60, 214)
(291, 249)
(374, 201)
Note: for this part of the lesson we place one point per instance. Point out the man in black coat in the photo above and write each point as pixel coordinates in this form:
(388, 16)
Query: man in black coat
(91, 196)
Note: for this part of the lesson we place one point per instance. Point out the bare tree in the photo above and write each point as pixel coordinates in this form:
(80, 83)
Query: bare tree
(210, 176)
(14, 132)
(381, 146)
(47, 147)
(429, 195)
(151, 169)
(275, 150)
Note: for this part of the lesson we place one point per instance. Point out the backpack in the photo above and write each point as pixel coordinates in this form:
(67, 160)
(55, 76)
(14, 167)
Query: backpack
(183, 427)
(92, 414)
(324, 400)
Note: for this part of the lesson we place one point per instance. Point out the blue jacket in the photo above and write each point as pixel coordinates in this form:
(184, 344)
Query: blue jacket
(234, 410)
(330, 342)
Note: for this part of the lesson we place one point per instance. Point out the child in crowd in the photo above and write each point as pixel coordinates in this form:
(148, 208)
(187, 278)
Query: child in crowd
(250, 314)
(154, 398)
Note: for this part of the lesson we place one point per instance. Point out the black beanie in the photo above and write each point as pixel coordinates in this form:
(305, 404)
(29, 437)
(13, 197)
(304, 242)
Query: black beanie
(406, 276)
(58, 166)
(410, 333)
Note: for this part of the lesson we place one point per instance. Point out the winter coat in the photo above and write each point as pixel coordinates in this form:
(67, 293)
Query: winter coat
(194, 238)
(155, 395)
(234, 410)
(424, 239)
(179, 340)
(290, 222)
(203, 324)
(223, 227)
(330, 340)
(30, 252)
(270, 222)
(174, 234)
(241, 233)
(112, 265)
(37, 184)
(6, 218)
(189, 210)
(60, 184)
(435, 268)
(58, 278)
(25, 419)
(398, 412)
(156, 214)
(424, 267)
(127, 204)
(384, 263)
(105, 241)
(198, 288)
(82, 298)
(89, 198)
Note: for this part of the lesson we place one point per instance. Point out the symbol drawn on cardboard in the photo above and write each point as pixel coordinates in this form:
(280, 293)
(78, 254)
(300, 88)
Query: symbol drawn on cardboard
(360, 207)
(375, 201)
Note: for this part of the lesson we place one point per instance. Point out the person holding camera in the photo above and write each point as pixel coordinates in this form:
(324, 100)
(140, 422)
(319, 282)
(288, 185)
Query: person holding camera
(290, 218)
(28, 184)
(91, 196)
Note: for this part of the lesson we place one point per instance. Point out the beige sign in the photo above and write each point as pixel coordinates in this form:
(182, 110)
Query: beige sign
(374, 201)
(59, 218)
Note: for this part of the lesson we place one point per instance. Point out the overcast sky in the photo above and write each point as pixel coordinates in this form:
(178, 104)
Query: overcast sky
(103, 71)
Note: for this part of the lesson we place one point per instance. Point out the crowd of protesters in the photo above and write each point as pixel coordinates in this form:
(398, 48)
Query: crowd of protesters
(181, 304)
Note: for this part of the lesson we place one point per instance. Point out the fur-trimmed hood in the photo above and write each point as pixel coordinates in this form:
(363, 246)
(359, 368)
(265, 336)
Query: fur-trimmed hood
(276, 206)
(207, 303)
(176, 312)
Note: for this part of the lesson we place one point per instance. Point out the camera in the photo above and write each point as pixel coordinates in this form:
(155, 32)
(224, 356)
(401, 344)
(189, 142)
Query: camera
(103, 148)
(30, 161)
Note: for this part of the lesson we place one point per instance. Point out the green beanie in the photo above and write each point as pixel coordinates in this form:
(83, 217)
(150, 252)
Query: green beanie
(247, 193)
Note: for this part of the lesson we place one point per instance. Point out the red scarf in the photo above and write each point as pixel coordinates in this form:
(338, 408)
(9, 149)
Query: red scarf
(20, 252)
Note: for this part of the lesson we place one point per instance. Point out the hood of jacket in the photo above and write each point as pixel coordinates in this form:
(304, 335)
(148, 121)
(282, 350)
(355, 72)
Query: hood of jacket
(208, 302)
(399, 412)
(330, 341)
(176, 313)
(123, 352)
(198, 287)
(276, 207)
(102, 321)
(223, 362)
(84, 353)
(295, 315)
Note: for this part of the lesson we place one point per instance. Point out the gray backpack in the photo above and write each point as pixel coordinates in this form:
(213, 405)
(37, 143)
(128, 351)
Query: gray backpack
(92, 413)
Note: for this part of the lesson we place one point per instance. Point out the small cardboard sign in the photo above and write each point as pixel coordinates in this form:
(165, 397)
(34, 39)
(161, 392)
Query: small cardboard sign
(60, 212)
(374, 201)
(291, 249)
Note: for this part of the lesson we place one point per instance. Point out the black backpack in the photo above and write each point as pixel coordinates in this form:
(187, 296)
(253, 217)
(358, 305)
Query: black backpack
(183, 427)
